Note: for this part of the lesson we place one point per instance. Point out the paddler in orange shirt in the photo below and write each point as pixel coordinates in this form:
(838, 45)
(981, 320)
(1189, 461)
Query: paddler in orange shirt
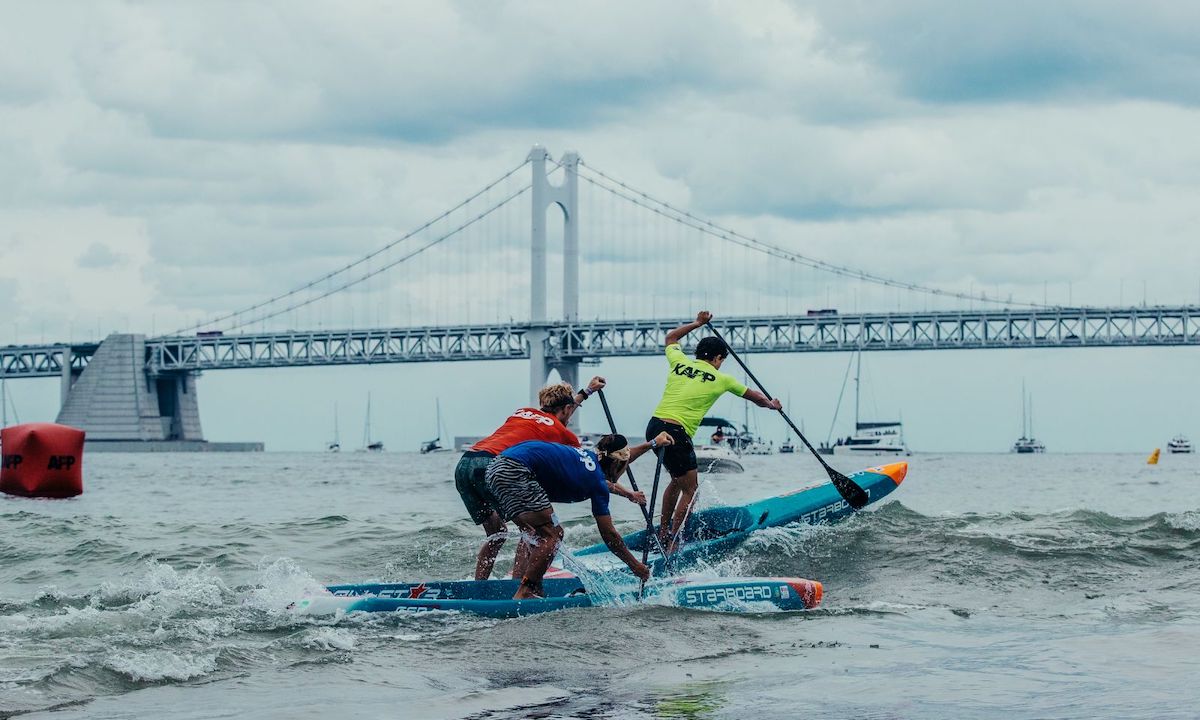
(548, 424)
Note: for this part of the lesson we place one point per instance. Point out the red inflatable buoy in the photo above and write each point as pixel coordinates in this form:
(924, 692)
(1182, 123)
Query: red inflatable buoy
(42, 460)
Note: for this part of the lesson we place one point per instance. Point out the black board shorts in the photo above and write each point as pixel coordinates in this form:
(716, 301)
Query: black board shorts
(679, 458)
(472, 487)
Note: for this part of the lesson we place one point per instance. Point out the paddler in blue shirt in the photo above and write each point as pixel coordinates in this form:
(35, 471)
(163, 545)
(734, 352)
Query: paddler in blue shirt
(526, 478)
(693, 385)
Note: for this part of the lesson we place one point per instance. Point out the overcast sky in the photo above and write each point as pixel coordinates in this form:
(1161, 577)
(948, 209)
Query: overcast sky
(162, 162)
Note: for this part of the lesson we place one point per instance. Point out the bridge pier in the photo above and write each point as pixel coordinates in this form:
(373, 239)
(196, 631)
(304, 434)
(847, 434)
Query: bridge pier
(121, 406)
(566, 197)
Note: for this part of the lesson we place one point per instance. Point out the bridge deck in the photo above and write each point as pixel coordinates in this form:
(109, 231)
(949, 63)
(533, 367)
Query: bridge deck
(958, 330)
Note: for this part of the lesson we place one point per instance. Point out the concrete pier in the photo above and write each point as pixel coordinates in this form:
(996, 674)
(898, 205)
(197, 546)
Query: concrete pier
(122, 407)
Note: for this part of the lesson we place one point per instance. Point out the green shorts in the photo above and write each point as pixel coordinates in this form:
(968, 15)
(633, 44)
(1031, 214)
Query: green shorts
(468, 480)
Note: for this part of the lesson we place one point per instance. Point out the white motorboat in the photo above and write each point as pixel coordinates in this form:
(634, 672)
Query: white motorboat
(588, 441)
(871, 438)
(717, 459)
(758, 447)
(1180, 444)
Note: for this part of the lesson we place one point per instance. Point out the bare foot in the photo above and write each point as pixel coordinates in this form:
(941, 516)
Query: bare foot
(524, 593)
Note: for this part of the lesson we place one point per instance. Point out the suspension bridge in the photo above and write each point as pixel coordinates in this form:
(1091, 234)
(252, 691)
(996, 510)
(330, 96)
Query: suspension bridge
(475, 283)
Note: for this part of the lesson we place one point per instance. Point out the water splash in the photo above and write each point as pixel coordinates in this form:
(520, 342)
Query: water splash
(280, 582)
(609, 589)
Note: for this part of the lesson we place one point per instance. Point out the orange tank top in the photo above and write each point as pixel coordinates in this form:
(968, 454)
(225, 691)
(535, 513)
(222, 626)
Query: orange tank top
(524, 425)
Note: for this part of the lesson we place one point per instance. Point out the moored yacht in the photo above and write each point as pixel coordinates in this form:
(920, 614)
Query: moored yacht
(1180, 444)
(370, 445)
(336, 444)
(1027, 444)
(717, 459)
(869, 438)
(434, 445)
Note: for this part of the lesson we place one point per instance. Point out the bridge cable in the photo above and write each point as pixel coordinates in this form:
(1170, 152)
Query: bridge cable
(360, 261)
(708, 227)
(415, 252)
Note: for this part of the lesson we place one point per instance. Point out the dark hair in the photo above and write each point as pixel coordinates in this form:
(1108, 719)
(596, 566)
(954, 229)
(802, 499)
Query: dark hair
(612, 443)
(611, 466)
(711, 347)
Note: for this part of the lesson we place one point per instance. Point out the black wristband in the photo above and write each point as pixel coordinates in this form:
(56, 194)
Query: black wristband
(584, 392)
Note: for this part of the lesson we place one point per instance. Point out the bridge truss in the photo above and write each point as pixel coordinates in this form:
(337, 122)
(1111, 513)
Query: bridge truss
(581, 340)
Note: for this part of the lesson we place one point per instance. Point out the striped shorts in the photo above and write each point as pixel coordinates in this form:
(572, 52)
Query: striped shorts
(514, 486)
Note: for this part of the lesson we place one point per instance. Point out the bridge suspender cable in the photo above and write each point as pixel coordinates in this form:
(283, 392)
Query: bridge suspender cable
(707, 227)
(327, 276)
(382, 268)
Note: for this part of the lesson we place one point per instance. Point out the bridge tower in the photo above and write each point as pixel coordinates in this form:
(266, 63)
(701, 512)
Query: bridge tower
(566, 197)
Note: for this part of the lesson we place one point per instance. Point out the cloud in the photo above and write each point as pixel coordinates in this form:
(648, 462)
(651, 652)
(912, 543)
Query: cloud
(1080, 50)
(97, 256)
(410, 72)
(247, 152)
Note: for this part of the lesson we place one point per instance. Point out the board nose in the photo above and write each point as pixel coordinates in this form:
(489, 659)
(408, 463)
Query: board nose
(896, 471)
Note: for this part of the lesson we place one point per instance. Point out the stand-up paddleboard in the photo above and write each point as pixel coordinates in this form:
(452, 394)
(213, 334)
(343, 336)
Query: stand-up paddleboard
(493, 598)
(710, 533)
(707, 535)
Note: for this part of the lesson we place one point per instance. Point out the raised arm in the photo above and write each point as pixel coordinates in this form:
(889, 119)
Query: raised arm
(597, 383)
(678, 333)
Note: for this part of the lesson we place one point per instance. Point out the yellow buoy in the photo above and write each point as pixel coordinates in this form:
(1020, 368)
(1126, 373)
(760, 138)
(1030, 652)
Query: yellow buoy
(1153, 459)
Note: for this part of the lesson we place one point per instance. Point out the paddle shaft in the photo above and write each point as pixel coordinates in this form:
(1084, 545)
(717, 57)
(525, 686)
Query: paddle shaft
(628, 470)
(852, 493)
(647, 513)
(650, 523)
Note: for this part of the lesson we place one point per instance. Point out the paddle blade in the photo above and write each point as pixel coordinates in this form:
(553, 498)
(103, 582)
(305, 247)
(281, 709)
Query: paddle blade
(848, 489)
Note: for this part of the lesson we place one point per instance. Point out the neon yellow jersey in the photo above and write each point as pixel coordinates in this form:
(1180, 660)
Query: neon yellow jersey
(692, 388)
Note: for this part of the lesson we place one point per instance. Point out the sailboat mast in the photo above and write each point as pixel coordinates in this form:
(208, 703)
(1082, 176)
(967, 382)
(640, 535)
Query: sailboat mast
(1024, 421)
(789, 407)
(367, 424)
(857, 376)
(745, 407)
(1031, 417)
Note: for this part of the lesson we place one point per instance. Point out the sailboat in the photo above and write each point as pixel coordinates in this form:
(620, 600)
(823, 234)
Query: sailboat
(336, 445)
(368, 444)
(788, 446)
(869, 438)
(435, 445)
(1026, 444)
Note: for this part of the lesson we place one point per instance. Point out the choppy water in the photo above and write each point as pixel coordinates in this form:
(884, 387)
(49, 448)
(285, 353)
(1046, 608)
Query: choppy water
(987, 587)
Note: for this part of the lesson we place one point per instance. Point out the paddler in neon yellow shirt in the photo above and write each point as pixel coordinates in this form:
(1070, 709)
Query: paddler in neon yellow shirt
(693, 385)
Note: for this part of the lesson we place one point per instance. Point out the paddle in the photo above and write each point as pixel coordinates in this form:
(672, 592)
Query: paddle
(853, 494)
(628, 471)
(649, 514)
(650, 523)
